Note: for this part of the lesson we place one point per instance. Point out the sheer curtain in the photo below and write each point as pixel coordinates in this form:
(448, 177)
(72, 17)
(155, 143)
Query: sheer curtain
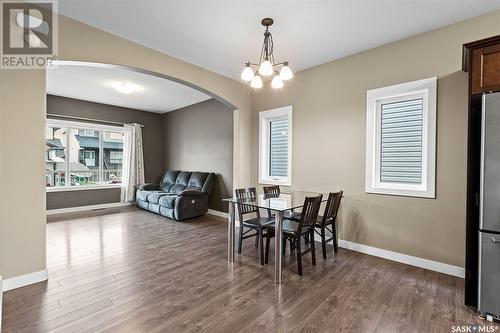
(133, 162)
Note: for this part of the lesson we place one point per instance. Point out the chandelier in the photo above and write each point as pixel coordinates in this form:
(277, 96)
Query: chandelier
(266, 65)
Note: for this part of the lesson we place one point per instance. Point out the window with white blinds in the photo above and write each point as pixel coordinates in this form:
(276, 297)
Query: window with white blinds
(401, 142)
(401, 139)
(275, 146)
(278, 148)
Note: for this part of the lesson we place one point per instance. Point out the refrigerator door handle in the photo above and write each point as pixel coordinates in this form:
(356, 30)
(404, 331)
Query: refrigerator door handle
(494, 240)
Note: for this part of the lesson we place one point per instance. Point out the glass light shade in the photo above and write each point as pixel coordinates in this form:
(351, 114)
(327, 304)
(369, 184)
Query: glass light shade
(247, 74)
(286, 73)
(256, 82)
(277, 82)
(266, 68)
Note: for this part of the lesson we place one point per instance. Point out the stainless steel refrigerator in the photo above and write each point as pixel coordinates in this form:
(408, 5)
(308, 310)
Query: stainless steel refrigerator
(489, 218)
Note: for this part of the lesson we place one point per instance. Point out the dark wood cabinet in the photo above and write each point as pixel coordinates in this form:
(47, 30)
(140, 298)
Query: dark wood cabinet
(482, 60)
(485, 72)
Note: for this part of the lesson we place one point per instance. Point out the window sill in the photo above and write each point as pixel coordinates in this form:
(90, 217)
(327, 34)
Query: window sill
(427, 194)
(81, 188)
(275, 182)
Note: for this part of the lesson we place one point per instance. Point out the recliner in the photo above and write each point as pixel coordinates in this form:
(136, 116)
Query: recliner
(181, 195)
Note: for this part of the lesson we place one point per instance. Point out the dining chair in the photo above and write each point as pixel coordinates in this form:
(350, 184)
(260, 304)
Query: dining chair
(329, 218)
(294, 231)
(274, 191)
(256, 223)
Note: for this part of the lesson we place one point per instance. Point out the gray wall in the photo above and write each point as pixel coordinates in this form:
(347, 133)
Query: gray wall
(329, 114)
(153, 147)
(200, 138)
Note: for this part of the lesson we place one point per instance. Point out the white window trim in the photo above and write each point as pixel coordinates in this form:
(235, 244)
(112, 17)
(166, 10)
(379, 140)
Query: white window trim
(69, 124)
(427, 90)
(265, 117)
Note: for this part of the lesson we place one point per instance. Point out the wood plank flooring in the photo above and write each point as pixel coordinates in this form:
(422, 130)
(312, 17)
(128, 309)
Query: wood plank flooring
(128, 270)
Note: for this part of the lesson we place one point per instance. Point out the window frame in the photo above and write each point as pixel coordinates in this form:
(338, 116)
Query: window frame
(69, 125)
(265, 118)
(375, 98)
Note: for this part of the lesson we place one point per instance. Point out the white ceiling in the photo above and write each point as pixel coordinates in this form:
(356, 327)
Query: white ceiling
(95, 84)
(221, 35)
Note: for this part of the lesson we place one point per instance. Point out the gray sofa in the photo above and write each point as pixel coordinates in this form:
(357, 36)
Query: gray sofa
(181, 195)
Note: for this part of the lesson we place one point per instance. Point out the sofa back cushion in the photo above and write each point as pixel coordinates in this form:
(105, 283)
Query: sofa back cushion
(181, 182)
(176, 181)
(197, 180)
(169, 180)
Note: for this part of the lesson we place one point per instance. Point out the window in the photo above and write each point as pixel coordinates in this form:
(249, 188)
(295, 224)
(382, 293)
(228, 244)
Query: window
(115, 157)
(275, 146)
(89, 159)
(83, 155)
(87, 132)
(401, 139)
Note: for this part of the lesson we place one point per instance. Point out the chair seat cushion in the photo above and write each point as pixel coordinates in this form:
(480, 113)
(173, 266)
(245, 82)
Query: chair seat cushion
(319, 221)
(258, 221)
(154, 196)
(167, 201)
(290, 227)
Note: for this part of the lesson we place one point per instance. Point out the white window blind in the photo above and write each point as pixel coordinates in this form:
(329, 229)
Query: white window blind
(278, 148)
(401, 142)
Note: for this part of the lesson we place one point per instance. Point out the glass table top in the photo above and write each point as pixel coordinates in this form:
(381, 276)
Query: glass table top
(279, 203)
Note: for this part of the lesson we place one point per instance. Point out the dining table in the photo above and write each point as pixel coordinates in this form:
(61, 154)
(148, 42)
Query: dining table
(277, 205)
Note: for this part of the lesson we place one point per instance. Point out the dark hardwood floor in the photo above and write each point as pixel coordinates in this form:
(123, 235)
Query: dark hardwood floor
(127, 270)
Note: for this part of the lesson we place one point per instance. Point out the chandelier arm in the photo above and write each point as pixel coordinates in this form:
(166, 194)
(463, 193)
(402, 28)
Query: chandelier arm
(271, 47)
(261, 52)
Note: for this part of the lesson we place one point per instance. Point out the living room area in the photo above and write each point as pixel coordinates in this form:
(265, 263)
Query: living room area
(250, 166)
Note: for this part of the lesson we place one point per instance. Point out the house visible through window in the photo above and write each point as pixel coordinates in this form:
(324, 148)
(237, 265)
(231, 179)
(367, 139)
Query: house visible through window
(401, 139)
(275, 139)
(82, 154)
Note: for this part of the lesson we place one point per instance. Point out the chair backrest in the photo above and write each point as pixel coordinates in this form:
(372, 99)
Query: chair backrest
(310, 212)
(271, 190)
(247, 194)
(332, 207)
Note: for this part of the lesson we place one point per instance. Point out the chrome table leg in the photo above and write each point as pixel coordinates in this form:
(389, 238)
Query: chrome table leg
(279, 246)
(230, 233)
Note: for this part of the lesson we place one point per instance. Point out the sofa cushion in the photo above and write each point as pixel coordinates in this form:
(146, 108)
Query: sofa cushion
(169, 180)
(155, 196)
(166, 187)
(167, 201)
(143, 204)
(170, 176)
(142, 195)
(183, 178)
(197, 180)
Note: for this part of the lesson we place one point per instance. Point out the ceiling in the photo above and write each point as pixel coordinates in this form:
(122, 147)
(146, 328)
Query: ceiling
(222, 35)
(97, 84)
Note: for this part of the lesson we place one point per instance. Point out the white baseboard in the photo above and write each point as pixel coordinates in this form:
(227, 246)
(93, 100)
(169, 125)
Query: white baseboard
(224, 215)
(86, 208)
(24, 280)
(217, 213)
(404, 258)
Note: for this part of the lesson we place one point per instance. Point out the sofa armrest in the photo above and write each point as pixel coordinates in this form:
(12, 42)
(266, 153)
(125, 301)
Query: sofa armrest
(190, 193)
(149, 187)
